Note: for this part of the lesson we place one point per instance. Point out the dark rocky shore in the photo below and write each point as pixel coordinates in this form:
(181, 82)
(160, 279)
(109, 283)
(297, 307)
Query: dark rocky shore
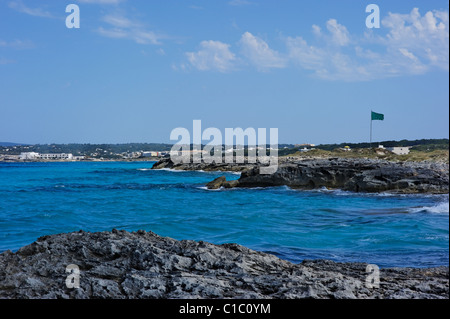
(141, 264)
(357, 175)
(207, 167)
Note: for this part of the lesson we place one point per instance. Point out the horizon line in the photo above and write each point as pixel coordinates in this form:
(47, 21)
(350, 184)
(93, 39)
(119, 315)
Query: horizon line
(165, 143)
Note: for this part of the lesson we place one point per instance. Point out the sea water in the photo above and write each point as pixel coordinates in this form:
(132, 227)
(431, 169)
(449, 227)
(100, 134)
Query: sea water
(39, 199)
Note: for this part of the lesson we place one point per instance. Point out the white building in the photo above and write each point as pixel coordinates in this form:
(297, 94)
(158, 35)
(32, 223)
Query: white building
(151, 154)
(56, 156)
(399, 150)
(28, 156)
(132, 155)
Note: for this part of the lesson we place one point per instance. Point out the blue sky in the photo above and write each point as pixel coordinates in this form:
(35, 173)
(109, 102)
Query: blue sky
(137, 69)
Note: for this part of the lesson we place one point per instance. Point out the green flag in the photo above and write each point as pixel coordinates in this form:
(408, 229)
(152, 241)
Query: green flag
(377, 117)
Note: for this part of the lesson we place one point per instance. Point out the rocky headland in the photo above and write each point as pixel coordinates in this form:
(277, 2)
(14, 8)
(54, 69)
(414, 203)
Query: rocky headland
(166, 163)
(350, 174)
(137, 265)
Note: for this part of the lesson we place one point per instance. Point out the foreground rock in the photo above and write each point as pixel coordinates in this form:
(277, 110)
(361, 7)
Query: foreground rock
(120, 264)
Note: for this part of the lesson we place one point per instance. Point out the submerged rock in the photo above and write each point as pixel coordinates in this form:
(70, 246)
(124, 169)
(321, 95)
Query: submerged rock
(222, 182)
(141, 264)
(217, 183)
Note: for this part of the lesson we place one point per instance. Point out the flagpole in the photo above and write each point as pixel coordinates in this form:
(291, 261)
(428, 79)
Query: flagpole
(371, 128)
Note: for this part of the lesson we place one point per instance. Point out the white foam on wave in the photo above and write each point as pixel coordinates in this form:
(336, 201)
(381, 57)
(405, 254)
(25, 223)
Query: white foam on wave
(441, 208)
(337, 191)
(212, 190)
(171, 170)
(215, 172)
(340, 192)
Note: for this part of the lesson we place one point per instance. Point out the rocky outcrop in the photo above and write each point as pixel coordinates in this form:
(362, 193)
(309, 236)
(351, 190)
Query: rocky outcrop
(207, 167)
(358, 175)
(141, 264)
(222, 182)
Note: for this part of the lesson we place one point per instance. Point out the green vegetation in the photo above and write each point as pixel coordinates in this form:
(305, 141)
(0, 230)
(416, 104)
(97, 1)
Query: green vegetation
(91, 150)
(424, 149)
(415, 155)
(424, 144)
(420, 145)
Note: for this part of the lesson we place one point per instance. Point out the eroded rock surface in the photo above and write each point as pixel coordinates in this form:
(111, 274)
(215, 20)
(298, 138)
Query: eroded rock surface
(141, 264)
(358, 175)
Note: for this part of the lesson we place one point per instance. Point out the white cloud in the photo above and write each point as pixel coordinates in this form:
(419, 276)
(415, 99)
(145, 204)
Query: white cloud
(407, 44)
(325, 63)
(118, 21)
(17, 44)
(145, 37)
(426, 37)
(161, 51)
(19, 6)
(213, 55)
(113, 33)
(339, 33)
(124, 28)
(408, 54)
(259, 54)
(307, 57)
(317, 30)
(414, 44)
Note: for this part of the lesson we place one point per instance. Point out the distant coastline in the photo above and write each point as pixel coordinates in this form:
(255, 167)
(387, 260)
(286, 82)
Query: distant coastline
(149, 159)
(418, 150)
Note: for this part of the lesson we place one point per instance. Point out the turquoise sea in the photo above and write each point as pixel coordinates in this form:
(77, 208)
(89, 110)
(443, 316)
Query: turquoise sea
(39, 199)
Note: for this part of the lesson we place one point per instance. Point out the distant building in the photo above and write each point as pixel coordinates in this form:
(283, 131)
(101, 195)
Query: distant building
(305, 145)
(50, 156)
(56, 156)
(28, 156)
(399, 150)
(151, 154)
(9, 157)
(132, 155)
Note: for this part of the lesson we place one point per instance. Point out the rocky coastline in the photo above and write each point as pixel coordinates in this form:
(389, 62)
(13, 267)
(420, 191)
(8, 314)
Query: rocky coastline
(350, 174)
(143, 265)
(140, 265)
